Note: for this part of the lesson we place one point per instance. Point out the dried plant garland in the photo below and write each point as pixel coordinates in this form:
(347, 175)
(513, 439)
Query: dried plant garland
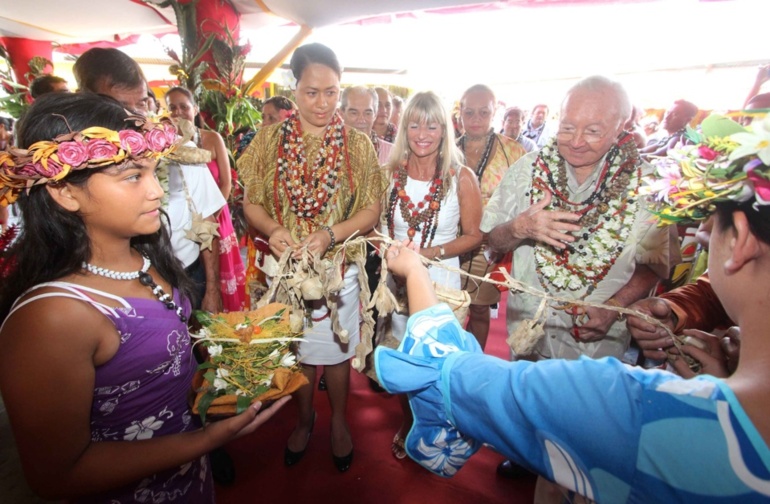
(290, 274)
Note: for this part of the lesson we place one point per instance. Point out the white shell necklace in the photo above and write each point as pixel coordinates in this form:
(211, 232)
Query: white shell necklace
(118, 275)
(145, 279)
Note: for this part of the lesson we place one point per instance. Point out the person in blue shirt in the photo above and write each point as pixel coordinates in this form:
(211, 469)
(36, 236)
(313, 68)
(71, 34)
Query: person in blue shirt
(599, 428)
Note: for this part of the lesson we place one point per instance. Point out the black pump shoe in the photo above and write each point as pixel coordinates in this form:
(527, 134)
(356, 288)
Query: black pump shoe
(291, 457)
(343, 463)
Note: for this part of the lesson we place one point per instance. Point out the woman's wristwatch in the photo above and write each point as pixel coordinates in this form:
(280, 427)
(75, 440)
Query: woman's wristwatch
(441, 252)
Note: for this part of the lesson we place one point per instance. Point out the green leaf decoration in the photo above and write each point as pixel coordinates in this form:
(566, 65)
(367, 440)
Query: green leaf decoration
(206, 365)
(203, 317)
(210, 376)
(242, 404)
(693, 135)
(204, 404)
(719, 126)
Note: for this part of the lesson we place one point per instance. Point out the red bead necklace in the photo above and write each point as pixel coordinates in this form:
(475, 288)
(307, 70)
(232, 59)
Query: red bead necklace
(421, 216)
(310, 190)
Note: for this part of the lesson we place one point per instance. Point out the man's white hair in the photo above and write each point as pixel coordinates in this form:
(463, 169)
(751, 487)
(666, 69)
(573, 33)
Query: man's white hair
(363, 90)
(604, 84)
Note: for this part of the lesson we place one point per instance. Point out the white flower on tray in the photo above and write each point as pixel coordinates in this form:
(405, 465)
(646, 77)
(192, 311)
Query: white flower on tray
(219, 382)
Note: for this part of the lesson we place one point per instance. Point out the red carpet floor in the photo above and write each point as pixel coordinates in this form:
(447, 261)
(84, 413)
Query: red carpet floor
(375, 476)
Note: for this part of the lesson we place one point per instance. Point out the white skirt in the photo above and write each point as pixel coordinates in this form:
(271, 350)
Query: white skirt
(322, 346)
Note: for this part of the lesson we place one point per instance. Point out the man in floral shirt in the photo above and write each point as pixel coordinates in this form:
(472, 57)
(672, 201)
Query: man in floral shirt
(578, 230)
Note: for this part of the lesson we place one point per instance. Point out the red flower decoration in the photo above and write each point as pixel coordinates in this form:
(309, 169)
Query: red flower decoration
(707, 153)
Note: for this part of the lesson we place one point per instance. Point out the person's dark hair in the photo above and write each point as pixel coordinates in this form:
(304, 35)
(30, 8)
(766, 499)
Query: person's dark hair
(281, 103)
(313, 53)
(53, 241)
(5, 122)
(111, 67)
(758, 218)
(689, 109)
(44, 84)
(183, 90)
(151, 95)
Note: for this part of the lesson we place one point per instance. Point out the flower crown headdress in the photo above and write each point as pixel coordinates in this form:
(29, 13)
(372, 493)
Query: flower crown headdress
(49, 161)
(726, 162)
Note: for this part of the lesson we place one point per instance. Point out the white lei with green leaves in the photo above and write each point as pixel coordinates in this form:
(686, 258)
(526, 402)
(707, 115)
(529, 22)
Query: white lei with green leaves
(607, 220)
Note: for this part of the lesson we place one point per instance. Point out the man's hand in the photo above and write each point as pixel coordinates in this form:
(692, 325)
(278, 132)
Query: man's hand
(653, 340)
(596, 327)
(545, 226)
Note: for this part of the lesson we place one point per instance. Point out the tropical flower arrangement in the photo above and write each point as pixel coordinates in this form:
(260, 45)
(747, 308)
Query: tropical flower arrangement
(726, 161)
(250, 358)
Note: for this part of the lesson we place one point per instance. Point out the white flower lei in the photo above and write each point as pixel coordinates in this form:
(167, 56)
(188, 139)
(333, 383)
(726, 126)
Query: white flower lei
(591, 256)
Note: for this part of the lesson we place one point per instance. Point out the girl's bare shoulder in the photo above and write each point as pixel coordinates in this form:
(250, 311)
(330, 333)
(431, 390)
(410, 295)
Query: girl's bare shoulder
(51, 320)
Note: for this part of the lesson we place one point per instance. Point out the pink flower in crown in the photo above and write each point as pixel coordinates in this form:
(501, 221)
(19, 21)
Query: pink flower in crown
(50, 168)
(170, 132)
(28, 170)
(99, 149)
(72, 153)
(707, 153)
(156, 139)
(132, 141)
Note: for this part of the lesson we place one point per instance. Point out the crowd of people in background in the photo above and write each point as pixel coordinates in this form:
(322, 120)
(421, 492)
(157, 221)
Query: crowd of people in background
(552, 195)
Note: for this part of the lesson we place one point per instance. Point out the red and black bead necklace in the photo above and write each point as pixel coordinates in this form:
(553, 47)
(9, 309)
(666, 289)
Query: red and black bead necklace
(421, 216)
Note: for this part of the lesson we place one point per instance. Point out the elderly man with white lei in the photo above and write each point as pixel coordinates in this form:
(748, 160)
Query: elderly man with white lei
(571, 214)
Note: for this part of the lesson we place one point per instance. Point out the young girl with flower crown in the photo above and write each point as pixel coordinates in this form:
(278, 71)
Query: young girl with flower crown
(97, 363)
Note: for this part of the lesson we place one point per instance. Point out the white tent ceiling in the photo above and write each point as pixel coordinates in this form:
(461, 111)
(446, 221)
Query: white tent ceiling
(88, 21)
(527, 50)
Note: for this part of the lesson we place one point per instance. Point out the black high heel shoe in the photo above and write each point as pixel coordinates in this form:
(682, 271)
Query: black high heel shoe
(343, 463)
(322, 383)
(291, 457)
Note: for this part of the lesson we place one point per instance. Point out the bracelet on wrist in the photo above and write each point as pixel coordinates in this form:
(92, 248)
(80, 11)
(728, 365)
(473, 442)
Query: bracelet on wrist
(331, 234)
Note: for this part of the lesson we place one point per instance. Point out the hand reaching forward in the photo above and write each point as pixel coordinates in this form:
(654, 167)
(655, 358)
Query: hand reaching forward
(403, 257)
(709, 353)
(652, 340)
(545, 226)
(595, 327)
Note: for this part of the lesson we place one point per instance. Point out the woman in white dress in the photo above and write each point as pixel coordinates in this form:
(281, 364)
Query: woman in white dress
(433, 200)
